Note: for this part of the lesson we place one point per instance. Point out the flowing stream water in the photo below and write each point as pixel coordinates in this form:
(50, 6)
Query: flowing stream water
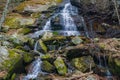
(69, 29)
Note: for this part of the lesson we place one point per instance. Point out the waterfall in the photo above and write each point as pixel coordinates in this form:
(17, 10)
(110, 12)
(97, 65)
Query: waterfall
(69, 26)
(68, 23)
(35, 67)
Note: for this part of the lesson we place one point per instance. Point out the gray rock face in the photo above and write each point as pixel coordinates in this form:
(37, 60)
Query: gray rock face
(92, 5)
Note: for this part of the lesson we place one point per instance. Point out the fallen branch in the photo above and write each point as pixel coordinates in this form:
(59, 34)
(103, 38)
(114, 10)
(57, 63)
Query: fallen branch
(76, 77)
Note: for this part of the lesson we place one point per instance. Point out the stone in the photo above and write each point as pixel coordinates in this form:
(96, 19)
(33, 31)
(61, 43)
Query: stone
(43, 46)
(60, 66)
(36, 5)
(3, 53)
(83, 63)
(28, 57)
(47, 67)
(47, 35)
(14, 21)
(13, 63)
(77, 40)
(24, 31)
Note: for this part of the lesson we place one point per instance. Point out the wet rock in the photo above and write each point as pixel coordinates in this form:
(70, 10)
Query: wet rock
(84, 63)
(56, 23)
(47, 35)
(43, 46)
(47, 67)
(60, 66)
(31, 43)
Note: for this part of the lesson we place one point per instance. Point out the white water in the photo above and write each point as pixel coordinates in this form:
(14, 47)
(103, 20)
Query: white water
(35, 67)
(69, 27)
(35, 70)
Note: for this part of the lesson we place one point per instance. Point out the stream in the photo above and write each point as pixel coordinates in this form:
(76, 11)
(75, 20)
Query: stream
(69, 28)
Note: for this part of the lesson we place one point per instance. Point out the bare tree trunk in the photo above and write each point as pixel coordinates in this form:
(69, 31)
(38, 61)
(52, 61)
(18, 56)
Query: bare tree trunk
(116, 10)
(4, 13)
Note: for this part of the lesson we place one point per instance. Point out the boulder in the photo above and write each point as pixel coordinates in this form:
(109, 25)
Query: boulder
(84, 63)
(77, 40)
(12, 64)
(43, 46)
(28, 57)
(60, 66)
(36, 5)
(47, 67)
(15, 20)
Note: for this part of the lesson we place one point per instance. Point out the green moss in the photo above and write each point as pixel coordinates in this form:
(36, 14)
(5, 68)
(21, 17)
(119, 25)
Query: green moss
(12, 22)
(24, 31)
(13, 76)
(117, 61)
(28, 58)
(12, 63)
(46, 56)
(46, 66)
(35, 15)
(43, 46)
(83, 63)
(58, 1)
(60, 66)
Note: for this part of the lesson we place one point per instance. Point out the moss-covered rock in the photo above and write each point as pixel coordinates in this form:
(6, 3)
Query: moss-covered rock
(43, 46)
(83, 63)
(77, 40)
(114, 64)
(28, 58)
(17, 21)
(31, 43)
(36, 5)
(24, 31)
(12, 64)
(60, 66)
(48, 67)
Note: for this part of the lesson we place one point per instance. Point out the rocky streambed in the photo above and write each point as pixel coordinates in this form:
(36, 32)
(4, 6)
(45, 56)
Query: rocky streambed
(93, 54)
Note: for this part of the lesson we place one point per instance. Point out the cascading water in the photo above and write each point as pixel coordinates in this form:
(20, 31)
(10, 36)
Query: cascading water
(35, 68)
(69, 27)
(68, 23)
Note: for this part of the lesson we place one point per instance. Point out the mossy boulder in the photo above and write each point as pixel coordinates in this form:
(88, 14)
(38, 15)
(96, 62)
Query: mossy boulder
(18, 39)
(47, 67)
(12, 64)
(43, 46)
(28, 57)
(83, 63)
(77, 40)
(36, 5)
(17, 21)
(114, 64)
(46, 57)
(31, 43)
(60, 66)
(24, 31)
